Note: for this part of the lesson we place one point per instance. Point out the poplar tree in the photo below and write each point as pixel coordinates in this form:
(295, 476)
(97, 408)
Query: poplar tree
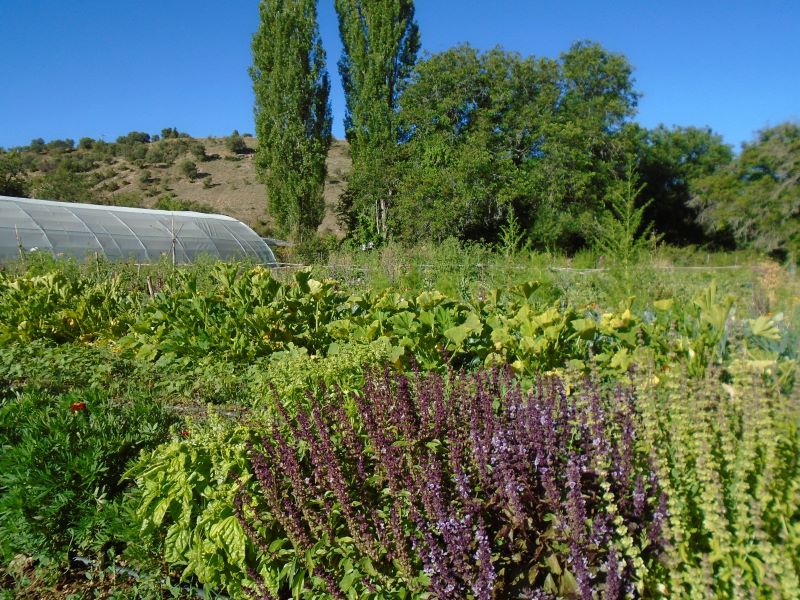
(381, 41)
(292, 113)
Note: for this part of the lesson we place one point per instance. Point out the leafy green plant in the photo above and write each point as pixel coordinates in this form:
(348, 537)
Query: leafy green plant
(61, 308)
(185, 502)
(727, 455)
(60, 466)
(620, 232)
(511, 237)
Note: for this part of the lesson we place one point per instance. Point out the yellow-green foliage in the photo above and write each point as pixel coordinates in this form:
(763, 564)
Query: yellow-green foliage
(187, 489)
(728, 457)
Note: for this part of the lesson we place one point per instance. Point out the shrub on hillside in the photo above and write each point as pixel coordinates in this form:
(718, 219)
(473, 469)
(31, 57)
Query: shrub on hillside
(172, 202)
(198, 150)
(134, 137)
(188, 168)
(236, 144)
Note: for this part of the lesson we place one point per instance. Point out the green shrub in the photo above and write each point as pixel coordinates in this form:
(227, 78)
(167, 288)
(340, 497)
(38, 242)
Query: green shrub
(236, 144)
(315, 248)
(172, 202)
(198, 150)
(189, 169)
(61, 461)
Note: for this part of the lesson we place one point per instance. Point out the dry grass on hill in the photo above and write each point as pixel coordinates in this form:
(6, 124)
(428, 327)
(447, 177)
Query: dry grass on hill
(226, 183)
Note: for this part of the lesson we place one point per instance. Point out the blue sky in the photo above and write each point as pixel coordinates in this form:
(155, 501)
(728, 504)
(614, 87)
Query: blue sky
(100, 69)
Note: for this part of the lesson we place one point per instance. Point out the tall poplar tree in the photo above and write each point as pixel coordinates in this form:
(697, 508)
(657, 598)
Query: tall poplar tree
(292, 112)
(381, 41)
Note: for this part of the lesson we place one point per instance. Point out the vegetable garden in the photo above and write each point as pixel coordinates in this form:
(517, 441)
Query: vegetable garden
(431, 435)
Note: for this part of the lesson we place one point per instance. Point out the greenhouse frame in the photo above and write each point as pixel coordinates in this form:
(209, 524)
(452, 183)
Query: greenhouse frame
(121, 233)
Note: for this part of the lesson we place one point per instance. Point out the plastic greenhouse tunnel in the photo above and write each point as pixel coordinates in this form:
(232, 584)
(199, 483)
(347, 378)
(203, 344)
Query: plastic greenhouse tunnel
(142, 235)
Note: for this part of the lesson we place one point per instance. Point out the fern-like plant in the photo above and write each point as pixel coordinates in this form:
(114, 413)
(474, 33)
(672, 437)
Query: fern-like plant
(620, 233)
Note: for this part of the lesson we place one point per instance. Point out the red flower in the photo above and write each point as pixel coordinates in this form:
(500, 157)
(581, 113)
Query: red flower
(76, 406)
(185, 433)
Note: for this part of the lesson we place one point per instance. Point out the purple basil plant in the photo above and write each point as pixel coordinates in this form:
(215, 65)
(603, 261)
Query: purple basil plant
(466, 486)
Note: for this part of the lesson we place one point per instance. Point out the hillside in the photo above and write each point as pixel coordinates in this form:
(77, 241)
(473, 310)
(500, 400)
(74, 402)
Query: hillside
(154, 174)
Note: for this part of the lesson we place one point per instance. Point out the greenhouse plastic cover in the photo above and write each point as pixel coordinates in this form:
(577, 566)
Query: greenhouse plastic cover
(143, 235)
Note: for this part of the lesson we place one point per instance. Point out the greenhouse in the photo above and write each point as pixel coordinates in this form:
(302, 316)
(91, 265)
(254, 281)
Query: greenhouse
(142, 235)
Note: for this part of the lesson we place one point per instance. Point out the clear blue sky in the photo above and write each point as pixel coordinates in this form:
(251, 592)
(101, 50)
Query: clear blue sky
(98, 68)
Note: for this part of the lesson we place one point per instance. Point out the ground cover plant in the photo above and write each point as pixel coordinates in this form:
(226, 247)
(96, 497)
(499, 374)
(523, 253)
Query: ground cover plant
(322, 387)
(61, 462)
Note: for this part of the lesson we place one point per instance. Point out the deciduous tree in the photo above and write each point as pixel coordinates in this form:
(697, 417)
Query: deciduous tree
(292, 112)
(757, 197)
(487, 136)
(671, 163)
(381, 41)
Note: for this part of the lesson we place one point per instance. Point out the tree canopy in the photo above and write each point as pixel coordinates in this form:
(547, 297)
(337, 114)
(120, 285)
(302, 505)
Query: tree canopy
(380, 41)
(292, 110)
(488, 135)
(757, 196)
(671, 163)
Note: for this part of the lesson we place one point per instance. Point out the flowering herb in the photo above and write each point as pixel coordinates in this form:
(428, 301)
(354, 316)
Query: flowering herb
(466, 486)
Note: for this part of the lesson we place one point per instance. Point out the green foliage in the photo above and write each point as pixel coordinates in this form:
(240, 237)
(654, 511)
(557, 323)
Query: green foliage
(60, 466)
(188, 168)
(172, 133)
(757, 197)
(172, 202)
(168, 150)
(186, 498)
(60, 146)
(485, 135)
(58, 369)
(235, 143)
(282, 343)
(60, 308)
(198, 150)
(671, 162)
(380, 44)
(134, 137)
(13, 180)
(511, 236)
(727, 456)
(293, 114)
(37, 145)
(621, 233)
(314, 248)
(63, 184)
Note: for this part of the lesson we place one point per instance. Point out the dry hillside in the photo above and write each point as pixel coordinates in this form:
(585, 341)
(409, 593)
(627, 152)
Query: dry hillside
(178, 173)
(226, 183)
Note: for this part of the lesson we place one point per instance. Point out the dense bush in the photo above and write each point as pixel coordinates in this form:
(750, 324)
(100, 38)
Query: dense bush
(63, 184)
(467, 486)
(172, 202)
(61, 461)
(236, 144)
(188, 168)
(756, 198)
